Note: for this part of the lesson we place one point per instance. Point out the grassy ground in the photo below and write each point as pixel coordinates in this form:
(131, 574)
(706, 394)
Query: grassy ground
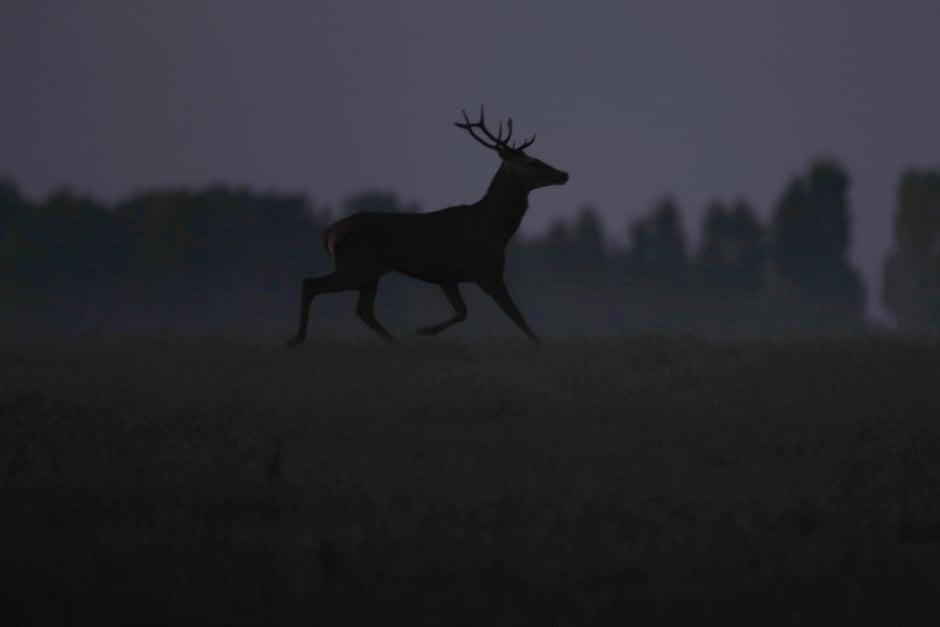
(472, 482)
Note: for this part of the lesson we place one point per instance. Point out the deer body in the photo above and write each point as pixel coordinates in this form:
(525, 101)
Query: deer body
(437, 247)
(460, 244)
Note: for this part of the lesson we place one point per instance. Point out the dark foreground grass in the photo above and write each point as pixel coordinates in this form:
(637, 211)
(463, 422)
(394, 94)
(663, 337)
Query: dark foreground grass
(584, 482)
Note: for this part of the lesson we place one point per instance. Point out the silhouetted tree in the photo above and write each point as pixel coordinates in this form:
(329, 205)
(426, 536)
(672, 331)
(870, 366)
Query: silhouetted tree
(555, 246)
(377, 201)
(11, 205)
(658, 251)
(587, 238)
(810, 237)
(76, 235)
(571, 252)
(158, 228)
(732, 257)
(210, 257)
(912, 270)
(16, 247)
(53, 257)
(12, 210)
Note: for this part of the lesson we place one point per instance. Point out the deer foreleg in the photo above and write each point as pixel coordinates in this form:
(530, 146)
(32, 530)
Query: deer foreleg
(310, 288)
(366, 312)
(460, 311)
(497, 290)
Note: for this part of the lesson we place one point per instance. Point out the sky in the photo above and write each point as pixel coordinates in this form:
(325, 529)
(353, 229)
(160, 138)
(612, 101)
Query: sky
(700, 101)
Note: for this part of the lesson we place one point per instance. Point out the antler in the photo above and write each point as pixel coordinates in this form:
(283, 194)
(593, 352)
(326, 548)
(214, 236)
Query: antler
(500, 143)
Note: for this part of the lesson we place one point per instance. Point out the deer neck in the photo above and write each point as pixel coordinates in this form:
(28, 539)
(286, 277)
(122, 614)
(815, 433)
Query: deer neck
(506, 200)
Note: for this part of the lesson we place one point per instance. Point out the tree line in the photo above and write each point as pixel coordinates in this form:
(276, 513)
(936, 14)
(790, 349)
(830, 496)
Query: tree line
(221, 260)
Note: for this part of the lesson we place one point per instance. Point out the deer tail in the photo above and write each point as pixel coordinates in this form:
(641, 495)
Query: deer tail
(329, 243)
(332, 237)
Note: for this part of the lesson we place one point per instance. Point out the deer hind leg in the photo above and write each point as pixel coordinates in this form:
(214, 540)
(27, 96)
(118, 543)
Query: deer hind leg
(460, 311)
(366, 312)
(497, 290)
(335, 282)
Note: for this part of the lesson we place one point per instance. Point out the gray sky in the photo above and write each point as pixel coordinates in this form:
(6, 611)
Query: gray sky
(700, 100)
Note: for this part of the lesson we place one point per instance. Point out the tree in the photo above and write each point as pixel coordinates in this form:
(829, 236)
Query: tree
(11, 205)
(912, 271)
(12, 217)
(158, 229)
(17, 247)
(658, 250)
(732, 257)
(584, 248)
(377, 201)
(809, 245)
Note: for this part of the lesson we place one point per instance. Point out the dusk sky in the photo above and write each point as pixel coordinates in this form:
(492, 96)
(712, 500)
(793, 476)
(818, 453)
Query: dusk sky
(637, 100)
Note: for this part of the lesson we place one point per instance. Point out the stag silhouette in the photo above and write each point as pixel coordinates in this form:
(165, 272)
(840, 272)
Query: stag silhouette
(462, 244)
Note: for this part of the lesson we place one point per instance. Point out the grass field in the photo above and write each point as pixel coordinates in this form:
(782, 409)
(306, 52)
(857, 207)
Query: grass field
(645, 481)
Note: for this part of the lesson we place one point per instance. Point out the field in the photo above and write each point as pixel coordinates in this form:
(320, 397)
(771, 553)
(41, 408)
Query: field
(644, 480)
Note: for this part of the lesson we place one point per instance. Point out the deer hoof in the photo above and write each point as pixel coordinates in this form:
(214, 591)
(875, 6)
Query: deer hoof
(293, 342)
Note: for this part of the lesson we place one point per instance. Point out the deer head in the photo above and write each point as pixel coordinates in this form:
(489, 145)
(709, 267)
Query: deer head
(527, 171)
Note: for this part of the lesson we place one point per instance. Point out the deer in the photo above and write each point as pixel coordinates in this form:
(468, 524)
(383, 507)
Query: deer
(447, 247)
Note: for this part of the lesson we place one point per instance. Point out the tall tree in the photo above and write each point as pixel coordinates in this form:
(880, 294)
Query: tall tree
(658, 251)
(809, 246)
(912, 271)
(11, 205)
(732, 257)
(377, 201)
(16, 245)
(584, 248)
(158, 227)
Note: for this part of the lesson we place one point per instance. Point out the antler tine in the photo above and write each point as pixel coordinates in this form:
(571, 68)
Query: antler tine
(469, 126)
(482, 126)
(498, 141)
(526, 143)
(498, 138)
